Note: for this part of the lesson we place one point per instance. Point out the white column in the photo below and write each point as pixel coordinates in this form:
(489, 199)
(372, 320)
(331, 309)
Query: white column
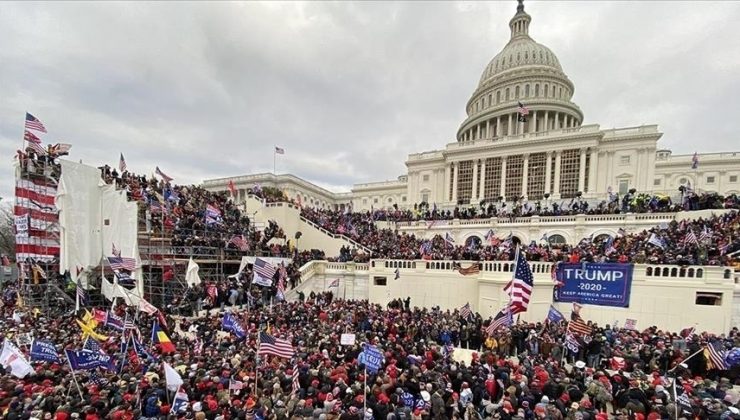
(556, 191)
(454, 183)
(525, 172)
(533, 122)
(610, 171)
(503, 176)
(556, 125)
(488, 129)
(508, 128)
(582, 170)
(482, 189)
(474, 193)
(477, 131)
(498, 127)
(446, 186)
(547, 122)
(593, 164)
(548, 169)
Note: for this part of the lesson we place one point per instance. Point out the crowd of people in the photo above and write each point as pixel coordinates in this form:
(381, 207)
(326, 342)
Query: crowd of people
(525, 371)
(698, 242)
(195, 217)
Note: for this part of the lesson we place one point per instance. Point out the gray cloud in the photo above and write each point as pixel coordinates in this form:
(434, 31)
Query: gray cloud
(348, 89)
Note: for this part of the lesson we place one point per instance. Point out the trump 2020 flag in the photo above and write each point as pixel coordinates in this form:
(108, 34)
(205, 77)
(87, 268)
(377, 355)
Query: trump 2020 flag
(232, 324)
(87, 359)
(44, 351)
(553, 315)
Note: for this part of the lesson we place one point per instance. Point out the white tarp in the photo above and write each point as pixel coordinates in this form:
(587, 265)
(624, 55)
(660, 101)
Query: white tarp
(92, 217)
(79, 203)
(274, 261)
(192, 277)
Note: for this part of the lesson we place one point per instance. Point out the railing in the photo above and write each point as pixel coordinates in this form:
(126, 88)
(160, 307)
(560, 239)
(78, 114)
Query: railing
(336, 235)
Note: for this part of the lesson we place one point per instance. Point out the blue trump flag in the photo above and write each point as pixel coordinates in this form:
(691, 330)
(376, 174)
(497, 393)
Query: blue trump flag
(604, 284)
(88, 360)
(232, 324)
(44, 351)
(371, 357)
(553, 315)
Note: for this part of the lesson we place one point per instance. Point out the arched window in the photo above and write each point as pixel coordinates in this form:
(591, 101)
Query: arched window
(507, 94)
(498, 97)
(546, 90)
(537, 90)
(473, 242)
(526, 91)
(516, 92)
(556, 239)
(490, 98)
(601, 238)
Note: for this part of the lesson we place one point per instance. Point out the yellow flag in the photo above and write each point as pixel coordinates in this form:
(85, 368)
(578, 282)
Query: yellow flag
(87, 331)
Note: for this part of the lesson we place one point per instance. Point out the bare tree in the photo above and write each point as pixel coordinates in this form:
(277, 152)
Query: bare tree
(7, 231)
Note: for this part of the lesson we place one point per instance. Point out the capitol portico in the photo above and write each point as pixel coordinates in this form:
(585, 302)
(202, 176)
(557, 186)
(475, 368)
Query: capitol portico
(547, 153)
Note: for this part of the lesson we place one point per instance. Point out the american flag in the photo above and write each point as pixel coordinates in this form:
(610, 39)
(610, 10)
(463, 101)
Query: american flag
(81, 293)
(275, 346)
(122, 263)
(279, 150)
(240, 242)
(690, 238)
(520, 287)
(33, 123)
(716, 357)
(61, 148)
(295, 382)
(705, 234)
(95, 378)
(162, 175)
(465, 311)
(334, 283)
(235, 385)
(30, 137)
(723, 248)
(122, 164)
(502, 319)
(34, 143)
(577, 325)
(264, 268)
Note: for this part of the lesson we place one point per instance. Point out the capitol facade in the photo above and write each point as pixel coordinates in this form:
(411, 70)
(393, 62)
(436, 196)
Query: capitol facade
(500, 154)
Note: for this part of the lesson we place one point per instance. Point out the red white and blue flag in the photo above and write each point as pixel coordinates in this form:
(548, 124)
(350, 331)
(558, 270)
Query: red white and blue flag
(520, 287)
(165, 177)
(33, 123)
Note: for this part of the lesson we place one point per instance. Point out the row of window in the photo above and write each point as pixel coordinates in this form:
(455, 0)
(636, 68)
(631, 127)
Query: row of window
(519, 92)
(376, 200)
(709, 180)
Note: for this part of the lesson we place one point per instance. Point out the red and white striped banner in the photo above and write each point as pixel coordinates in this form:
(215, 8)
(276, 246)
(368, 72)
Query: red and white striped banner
(35, 199)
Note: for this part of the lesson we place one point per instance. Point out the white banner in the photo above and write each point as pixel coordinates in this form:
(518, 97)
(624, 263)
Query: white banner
(21, 226)
(347, 339)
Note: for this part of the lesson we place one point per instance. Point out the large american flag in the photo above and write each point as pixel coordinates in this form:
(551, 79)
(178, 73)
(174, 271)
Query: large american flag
(520, 287)
(690, 238)
(279, 150)
(502, 319)
(705, 234)
(122, 164)
(34, 142)
(264, 268)
(81, 294)
(33, 123)
(522, 110)
(122, 263)
(275, 346)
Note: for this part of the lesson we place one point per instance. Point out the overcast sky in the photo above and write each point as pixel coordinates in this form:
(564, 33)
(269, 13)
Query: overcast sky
(347, 89)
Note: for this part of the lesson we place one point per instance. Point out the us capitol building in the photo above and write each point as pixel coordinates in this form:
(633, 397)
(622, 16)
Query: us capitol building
(495, 156)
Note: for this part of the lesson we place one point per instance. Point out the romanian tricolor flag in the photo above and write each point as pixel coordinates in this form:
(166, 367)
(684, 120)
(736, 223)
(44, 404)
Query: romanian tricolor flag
(160, 338)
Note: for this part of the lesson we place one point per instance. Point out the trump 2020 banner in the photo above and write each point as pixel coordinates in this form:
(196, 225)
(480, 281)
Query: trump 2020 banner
(604, 284)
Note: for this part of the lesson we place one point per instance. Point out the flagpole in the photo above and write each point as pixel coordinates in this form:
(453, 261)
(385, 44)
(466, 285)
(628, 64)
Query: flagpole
(74, 378)
(274, 159)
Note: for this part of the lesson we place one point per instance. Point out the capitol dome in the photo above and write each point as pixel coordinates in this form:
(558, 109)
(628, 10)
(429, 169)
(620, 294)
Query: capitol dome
(525, 73)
